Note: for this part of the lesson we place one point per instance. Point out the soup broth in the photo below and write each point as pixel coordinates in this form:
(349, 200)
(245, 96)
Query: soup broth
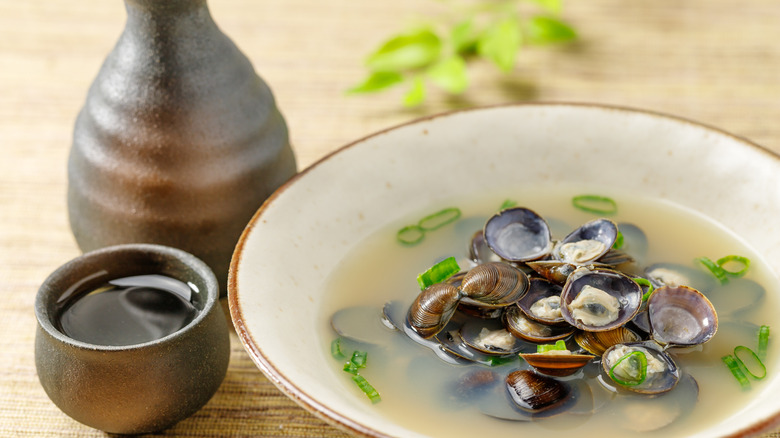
(422, 392)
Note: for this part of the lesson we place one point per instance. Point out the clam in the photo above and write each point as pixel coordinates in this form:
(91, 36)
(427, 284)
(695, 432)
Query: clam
(673, 274)
(553, 270)
(534, 393)
(661, 372)
(433, 308)
(599, 299)
(495, 283)
(598, 342)
(518, 234)
(587, 243)
(681, 316)
(451, 342)
(558, 363)
(542, 302)
(490, 337)
(517, 323)
(479, 251)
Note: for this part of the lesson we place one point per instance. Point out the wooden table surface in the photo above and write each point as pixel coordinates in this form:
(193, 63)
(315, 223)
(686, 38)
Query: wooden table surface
(713, 61)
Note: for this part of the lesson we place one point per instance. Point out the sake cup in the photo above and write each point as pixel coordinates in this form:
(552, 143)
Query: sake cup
(139, 388)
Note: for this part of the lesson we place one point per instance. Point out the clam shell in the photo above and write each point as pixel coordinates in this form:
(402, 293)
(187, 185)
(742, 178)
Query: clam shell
(681, 316)
(517, 323)
(518, 234)
(495, 283)
(558, 365)
(620, 286)
(534, 392)
(598, 342)
(603, 231)
(660, 383)
(433, 308)
(554, 270)
(539, 289)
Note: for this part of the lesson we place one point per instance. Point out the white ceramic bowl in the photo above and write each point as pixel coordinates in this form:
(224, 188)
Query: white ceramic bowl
(299, 235)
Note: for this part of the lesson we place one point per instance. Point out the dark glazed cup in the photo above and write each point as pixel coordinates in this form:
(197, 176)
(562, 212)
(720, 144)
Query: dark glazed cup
(137, 388)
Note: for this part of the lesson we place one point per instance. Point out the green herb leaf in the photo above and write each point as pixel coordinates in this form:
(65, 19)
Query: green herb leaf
(359, 358)
(501, 42)
(378, 81)
(411, 50)
(450, 74)
(553, 6)
(546, 30)
(464, 38)
(438, 272)
(416, 94)
(508, 203)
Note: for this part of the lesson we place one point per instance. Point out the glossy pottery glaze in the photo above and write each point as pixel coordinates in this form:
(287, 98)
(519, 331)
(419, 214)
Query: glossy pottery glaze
(179, 140)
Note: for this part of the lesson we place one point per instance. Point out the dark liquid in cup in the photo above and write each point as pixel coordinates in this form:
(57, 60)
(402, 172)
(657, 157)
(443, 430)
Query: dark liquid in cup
(130, 310)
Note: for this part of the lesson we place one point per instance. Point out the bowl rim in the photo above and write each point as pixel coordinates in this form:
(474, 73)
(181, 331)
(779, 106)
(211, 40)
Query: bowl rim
(320, 409)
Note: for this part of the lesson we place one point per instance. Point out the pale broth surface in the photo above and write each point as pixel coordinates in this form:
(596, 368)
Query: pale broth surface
(416, 386)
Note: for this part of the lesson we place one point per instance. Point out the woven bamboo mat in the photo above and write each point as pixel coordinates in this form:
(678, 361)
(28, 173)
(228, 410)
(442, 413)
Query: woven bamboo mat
(713, 61)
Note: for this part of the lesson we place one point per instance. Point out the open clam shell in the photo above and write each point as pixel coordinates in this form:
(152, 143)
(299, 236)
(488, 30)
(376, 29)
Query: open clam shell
(599, 299)
(518, 234)
(663, 379)
(587, 243)
(681, 316)
(517, 323)
(542, 302)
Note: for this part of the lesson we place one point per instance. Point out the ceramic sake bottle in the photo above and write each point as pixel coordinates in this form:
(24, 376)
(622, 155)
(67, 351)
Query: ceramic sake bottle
(179, 140)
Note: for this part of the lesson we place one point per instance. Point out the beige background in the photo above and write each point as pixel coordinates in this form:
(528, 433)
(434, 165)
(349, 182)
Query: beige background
(713, 61)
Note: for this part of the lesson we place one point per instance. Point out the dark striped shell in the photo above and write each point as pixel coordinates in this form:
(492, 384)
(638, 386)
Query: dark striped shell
(433, 308)
(495, 283)
(536, 393)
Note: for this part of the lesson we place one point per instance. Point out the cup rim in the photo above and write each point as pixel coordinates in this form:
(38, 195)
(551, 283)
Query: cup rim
(46, 292)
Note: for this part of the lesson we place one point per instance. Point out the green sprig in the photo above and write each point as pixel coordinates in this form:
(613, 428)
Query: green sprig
(439, 51)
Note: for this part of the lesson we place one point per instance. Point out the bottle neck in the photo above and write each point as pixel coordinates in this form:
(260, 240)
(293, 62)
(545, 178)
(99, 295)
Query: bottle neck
(163, 18)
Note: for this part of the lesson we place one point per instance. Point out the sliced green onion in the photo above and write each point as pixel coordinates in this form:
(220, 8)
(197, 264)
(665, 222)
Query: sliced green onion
(715, 269)
(359, 358)
(558, 345)
(743, 261)
(763, 341)
(645, 283)
(595, 204)
(736, 370)
(350, 368)
(755, 361)
(335, 349)
(633, 372)
(495, 361)
(508, 203)
(367, 389)
(410, 235)
(438, 272)
(618, 241)
(439, 219)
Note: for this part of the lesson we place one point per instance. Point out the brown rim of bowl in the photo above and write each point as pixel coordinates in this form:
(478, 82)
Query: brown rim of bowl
(323, 411)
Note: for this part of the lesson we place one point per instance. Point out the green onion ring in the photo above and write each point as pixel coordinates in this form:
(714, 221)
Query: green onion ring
(410, 235)
(359, 358)
(439, 219)
(715, 269)
(618, 241)
(639, 356)
(645, 282)
(741, 348)
(438, 273)
(744, 261)
(335, 349)
(595, 204)
(367, 389)
(508, 203)
(763, 340)
(736, 371)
